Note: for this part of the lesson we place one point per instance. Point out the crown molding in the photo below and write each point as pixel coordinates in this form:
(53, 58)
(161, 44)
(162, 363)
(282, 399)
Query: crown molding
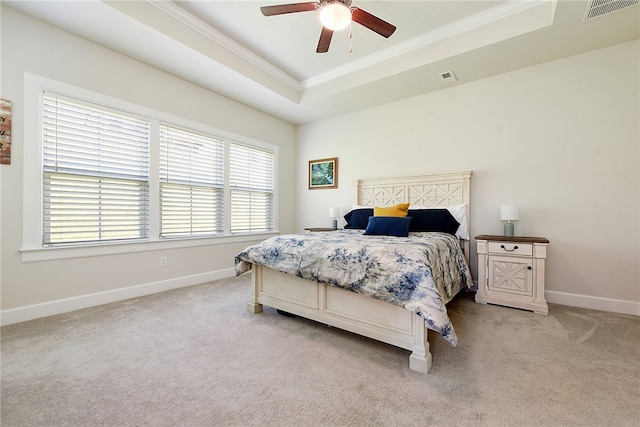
(456, 29)
(175, 11)
(450, 31)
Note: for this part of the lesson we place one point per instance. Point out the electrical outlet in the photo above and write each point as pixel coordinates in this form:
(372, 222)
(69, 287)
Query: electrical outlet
(163, 261)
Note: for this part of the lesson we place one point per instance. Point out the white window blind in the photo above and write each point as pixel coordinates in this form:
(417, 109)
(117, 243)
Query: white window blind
(191, 183)
(95, 171)
(251, 178)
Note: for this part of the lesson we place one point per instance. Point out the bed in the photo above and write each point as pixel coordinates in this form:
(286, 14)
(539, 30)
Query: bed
(307, 289)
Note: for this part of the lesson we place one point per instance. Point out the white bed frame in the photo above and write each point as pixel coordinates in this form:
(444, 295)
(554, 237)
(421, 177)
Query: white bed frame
(355, 312)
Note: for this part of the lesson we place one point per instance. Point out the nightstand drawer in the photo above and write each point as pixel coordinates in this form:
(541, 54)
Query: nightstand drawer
(525, 249)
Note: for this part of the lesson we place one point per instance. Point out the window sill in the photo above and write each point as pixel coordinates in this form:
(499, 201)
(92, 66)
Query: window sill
(58, 253)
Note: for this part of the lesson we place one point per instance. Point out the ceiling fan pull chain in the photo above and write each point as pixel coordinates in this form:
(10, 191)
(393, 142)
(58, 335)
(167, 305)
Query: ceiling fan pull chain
(350, 37)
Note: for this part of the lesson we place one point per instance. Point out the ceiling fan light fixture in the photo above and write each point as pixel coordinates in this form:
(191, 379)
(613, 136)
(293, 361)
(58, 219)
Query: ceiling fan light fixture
(335, 16)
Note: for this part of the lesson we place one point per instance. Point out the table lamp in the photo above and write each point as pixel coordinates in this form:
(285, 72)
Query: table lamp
(509, 213)
(334, 213)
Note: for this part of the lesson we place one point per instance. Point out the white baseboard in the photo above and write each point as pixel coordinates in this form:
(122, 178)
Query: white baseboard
(595, 303)
(30, 312)
(586, 301)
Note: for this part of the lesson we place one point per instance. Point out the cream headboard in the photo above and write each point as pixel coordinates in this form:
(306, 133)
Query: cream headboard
(433, 190)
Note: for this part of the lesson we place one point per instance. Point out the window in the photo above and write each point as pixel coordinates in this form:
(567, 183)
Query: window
(251, 182)
(191, 183)
(115, 172)
(95, 171)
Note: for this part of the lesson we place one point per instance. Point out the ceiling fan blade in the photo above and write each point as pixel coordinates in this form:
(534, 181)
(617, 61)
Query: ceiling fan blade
(325, 40)
(372, 22)
(281, 9)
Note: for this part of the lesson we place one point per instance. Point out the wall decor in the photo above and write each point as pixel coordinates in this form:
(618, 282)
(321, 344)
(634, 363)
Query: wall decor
(323, 173)
(5, 132)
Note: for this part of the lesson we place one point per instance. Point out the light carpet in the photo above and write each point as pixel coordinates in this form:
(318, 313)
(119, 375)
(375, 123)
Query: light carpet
(196, 357)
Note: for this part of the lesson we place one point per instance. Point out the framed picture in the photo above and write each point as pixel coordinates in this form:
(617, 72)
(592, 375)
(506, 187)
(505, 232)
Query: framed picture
(5, 132)
(323, 173)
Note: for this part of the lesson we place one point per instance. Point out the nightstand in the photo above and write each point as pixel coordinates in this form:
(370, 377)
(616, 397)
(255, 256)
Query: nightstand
(312, 229)
(511, 271)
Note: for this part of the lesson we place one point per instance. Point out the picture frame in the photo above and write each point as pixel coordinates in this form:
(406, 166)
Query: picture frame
(323, 173)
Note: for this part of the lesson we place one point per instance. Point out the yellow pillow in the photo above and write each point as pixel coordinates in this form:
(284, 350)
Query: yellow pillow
(399, 210)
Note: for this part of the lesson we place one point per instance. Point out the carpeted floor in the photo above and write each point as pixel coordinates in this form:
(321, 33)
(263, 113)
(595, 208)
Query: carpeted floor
(195, 357)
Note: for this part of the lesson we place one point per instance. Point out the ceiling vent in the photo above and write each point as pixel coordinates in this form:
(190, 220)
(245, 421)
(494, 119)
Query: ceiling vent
(448, 77)
(598, 8)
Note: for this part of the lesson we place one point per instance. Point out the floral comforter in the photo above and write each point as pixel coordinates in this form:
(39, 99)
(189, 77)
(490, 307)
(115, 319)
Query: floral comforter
(421, 273)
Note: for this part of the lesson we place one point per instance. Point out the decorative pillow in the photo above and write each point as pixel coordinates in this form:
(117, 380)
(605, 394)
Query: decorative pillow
(433, 220)
(398, 210)
(459, 212)
(388, 226)
(358, 219)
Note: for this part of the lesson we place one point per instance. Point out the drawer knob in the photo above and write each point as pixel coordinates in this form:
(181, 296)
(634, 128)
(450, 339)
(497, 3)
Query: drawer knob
(509, 250)
(528, 267)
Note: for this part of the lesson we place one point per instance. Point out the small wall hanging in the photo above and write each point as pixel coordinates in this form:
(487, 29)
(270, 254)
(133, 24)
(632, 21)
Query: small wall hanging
(5, 132)
(323, 173)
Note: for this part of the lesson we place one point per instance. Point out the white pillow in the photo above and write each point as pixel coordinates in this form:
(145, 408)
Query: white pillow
(459, 212)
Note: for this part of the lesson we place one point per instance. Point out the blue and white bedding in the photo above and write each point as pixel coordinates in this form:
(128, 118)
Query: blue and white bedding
(421, 272)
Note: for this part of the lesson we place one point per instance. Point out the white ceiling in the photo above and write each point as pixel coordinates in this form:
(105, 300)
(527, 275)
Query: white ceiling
(270, 63)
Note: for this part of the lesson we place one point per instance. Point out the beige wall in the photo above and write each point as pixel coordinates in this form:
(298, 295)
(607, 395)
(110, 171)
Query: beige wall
(30, 46)
(559, 140)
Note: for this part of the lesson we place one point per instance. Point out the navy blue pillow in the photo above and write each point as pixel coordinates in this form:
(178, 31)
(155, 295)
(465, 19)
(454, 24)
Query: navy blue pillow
(433, 220)
(358, 219)
(388, 226)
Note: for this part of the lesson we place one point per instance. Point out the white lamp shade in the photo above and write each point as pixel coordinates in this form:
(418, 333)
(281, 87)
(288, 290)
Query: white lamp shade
(334, 212)
(335, 16)
(509, 213)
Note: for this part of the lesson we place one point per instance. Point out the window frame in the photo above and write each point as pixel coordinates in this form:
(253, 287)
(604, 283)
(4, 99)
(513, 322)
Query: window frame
(251, 187)
(32, 249)
(168, 142)
(116, 158)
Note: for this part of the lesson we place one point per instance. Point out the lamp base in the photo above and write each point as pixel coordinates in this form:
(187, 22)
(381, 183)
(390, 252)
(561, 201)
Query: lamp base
(508, 229)
(334, 224)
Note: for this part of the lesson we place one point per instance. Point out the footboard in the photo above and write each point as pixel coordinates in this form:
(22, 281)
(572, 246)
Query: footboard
(342, 309)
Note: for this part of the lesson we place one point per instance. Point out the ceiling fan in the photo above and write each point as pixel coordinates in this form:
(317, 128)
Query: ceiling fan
(334, 15)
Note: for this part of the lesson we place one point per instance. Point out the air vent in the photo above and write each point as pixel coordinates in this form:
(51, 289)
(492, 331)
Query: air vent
(448, 77)
(597, 8)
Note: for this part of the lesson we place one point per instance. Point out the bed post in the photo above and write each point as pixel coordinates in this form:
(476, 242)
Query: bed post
(420, 359)
(253, 306)
(358, 186)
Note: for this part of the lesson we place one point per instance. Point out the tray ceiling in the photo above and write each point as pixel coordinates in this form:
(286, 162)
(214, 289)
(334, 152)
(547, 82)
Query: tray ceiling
(269, 63)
